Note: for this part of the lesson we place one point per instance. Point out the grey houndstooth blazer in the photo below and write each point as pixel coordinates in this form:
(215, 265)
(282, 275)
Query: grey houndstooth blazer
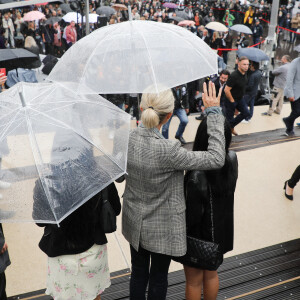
(154, 206)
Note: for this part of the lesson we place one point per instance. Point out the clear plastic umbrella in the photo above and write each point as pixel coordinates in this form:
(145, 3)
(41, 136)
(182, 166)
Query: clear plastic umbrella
(73, 16)
(133, 56)
(93, 18)
(58, 149)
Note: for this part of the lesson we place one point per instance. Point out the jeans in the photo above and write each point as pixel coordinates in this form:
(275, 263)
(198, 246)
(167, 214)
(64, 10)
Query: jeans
(241, 106)
(156, 275)
(255, 41)
(295, 178)
(295, 113)
(225, 57)
(250, 102)
(181, 114)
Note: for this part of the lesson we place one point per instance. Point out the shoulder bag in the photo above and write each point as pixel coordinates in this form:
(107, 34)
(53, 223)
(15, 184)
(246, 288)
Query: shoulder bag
(205, 254)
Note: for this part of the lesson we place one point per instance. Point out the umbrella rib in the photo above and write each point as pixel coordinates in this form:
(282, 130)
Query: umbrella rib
(34, 145)
(150, 59)
(9, 124)
(88, 140)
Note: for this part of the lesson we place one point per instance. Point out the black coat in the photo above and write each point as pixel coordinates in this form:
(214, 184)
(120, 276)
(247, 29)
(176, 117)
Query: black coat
(80, 230)
(198, 210)
(4, 257)
(181, 98)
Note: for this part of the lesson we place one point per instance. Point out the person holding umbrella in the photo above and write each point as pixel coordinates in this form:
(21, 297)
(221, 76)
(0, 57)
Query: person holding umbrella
(77, 249)
(153, 219)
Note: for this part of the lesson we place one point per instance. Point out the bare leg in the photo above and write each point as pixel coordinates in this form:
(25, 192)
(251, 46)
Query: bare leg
(193, 285)
(210, 285)
(98, 297)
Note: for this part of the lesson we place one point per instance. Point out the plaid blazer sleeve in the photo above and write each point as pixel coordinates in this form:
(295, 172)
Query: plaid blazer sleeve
(213, 158)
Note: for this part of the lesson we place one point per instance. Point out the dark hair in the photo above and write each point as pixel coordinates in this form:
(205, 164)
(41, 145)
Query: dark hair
(255, 65)
(201, 139)
(214, 177)
(225, 72)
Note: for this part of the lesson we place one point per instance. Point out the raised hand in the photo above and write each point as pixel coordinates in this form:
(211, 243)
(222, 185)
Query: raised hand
(209, 97)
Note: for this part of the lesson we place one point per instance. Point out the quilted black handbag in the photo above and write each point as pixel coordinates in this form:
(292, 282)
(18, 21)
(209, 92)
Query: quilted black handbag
(205, 254)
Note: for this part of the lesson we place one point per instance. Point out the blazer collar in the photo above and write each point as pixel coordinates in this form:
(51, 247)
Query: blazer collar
(150, 131)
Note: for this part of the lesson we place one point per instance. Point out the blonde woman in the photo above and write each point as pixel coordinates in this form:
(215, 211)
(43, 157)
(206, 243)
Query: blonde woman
(19, 20)
(216, 40)
(31, 45)
(153, 219)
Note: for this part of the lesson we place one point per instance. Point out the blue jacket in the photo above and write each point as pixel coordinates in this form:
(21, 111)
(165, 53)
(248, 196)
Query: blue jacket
(253, 83)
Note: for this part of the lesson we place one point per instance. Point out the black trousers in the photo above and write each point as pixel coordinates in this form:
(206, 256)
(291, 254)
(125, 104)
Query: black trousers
(295, 178)
(2, 286)
(143, 273)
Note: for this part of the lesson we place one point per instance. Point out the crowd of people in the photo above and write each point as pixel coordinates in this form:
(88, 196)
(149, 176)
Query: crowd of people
(165, 212)
(54, 36)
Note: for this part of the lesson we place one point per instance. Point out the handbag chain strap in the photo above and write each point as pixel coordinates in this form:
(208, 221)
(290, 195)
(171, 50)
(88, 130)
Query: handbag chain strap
(211, 214)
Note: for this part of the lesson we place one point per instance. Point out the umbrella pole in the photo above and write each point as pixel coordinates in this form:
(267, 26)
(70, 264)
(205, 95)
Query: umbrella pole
(87, 21)
(122, 252)
(34, 144)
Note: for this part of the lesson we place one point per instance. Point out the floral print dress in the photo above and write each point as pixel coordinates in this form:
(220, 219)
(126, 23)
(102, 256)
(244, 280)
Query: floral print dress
(81, 276)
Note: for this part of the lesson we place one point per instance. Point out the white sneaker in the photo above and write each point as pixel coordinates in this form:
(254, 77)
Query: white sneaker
(245, 121)
(4, 185)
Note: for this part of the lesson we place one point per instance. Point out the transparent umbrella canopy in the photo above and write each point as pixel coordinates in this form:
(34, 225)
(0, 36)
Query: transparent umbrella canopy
(134, 56)
(58, 149)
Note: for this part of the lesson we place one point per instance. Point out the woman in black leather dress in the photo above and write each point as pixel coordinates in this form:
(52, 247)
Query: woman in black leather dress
(222, 183)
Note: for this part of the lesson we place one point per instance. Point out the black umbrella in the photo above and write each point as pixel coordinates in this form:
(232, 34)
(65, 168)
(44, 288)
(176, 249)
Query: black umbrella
(53, 20)
(65, 8)
(105, 10)
(182, 14)
(16, 58)
(253, 54)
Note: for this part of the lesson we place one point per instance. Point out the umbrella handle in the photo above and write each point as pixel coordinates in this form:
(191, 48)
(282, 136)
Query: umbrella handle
(22, 99)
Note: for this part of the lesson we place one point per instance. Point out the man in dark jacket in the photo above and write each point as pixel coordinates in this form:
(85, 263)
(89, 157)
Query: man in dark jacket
(181, 109)
(254, 77)
(257, 32)
(48, 37)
